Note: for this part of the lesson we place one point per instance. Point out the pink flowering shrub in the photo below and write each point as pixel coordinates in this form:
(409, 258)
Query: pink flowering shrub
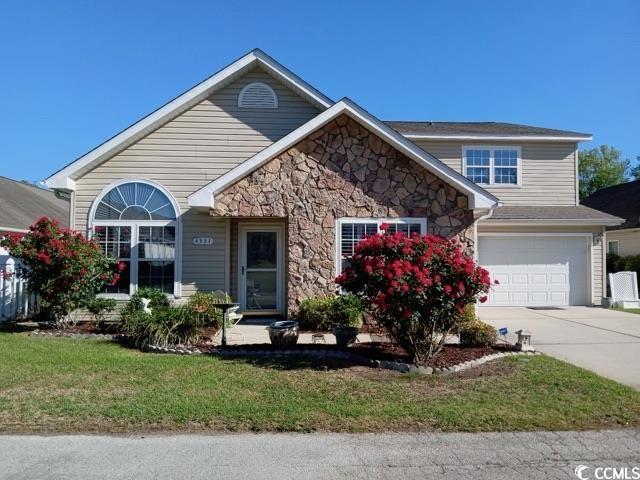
(62, 267)
(417, 287)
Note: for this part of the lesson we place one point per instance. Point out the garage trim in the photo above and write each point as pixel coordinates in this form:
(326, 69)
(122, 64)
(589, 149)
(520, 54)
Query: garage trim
(589, 236)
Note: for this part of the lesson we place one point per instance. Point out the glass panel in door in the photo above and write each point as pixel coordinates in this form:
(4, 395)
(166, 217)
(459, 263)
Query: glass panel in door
(261, 277)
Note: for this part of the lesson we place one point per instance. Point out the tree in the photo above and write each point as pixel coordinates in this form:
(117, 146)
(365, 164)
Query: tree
(63, 268)
(635, 171)
(601, 167)
(417, 287)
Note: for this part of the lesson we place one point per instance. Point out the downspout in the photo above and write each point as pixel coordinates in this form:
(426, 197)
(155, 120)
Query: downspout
(475, 237)
(475, 229)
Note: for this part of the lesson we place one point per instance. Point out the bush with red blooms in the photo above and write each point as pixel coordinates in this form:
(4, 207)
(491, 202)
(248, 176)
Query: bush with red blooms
(417, 287)
(62, 267)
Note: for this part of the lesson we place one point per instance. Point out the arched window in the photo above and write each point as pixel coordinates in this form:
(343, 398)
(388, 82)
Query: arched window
(257, 95)
(136, 222)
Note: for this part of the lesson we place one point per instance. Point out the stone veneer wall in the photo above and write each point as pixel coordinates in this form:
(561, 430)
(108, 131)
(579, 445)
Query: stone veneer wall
(341, 170)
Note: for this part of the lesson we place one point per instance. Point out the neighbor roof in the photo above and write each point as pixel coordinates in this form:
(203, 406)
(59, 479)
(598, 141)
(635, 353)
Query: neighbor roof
(562, 215)
(478, 197)
(620, 200)
(23, 204)
(64, 178)
(483, 131)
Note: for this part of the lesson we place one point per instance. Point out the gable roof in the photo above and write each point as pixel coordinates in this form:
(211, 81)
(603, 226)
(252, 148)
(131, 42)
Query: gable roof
(483, 131)
(64, 178)
(478, 197)
(23, 204)
(619, 200)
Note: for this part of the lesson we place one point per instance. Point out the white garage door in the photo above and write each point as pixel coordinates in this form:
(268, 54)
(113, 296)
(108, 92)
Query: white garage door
(536, 270)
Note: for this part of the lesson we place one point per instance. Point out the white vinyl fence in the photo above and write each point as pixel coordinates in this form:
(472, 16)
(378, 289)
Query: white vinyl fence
(15, 300)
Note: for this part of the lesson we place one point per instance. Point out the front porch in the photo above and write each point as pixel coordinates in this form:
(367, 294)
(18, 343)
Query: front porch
(254, 331)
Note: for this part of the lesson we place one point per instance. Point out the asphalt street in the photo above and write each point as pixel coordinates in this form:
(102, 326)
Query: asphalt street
(495, 456)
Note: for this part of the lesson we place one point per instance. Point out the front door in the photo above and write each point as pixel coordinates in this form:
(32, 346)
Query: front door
(260, 258)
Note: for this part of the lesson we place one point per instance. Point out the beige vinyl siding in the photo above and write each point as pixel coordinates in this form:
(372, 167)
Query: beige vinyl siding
(548, 170)
(629, 241)
(190, 151)
(598, 268)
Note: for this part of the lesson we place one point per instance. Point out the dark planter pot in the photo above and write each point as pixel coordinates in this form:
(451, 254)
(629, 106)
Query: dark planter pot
(283, 334)
(345, 336)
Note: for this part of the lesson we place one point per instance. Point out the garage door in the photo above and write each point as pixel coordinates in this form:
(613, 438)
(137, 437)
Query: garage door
(536, 270)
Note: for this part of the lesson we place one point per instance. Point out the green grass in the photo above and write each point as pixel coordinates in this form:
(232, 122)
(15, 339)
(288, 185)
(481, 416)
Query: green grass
(629, 310)
(67, 385)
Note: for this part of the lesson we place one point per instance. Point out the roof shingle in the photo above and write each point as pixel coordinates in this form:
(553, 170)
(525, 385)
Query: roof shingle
(620, 200)
(497, 129)
(551, 213)
(22, 204)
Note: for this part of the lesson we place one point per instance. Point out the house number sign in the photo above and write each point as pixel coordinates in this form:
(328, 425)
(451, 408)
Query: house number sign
(203, 240)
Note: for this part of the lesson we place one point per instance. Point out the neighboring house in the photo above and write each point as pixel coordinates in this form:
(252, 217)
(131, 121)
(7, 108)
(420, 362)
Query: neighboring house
(21, 204)
(256, 183)
(622, 201)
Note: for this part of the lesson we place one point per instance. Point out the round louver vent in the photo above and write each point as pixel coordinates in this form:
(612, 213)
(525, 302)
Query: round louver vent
(257, 95)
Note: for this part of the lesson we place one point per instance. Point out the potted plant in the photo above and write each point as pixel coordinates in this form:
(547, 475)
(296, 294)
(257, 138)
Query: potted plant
(346, 316)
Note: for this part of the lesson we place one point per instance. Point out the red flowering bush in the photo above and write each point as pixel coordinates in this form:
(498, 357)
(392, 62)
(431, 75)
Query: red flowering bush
(62, 267)
(417, 286)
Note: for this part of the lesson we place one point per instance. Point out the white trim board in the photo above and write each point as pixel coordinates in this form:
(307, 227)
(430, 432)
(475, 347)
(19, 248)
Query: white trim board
(478, 197)
(64, 179)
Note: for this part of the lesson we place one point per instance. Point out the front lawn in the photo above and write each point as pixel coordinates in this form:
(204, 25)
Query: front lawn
(629, 310)
(67, 385)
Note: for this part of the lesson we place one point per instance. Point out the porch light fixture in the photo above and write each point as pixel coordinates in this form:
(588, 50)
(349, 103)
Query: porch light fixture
(524, 341)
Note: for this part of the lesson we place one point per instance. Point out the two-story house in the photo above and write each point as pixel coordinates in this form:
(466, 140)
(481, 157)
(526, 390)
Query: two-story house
(256, 183)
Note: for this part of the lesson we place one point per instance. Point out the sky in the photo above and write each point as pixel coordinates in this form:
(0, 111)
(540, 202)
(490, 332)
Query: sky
(74, 73)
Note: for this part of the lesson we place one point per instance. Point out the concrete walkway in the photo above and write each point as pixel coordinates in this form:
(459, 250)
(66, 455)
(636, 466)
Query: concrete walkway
(604, 341)
(495, 456)
(250, 333)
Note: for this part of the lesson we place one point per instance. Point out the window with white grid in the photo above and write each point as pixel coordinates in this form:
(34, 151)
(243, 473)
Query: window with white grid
(352, 230)
(492, 165)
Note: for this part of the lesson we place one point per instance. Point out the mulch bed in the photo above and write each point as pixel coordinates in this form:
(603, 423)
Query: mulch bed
(449, 356)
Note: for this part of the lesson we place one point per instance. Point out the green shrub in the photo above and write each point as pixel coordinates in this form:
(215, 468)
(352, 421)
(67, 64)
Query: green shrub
(100, 308)
(477, 334)
(346, 310)
(157, 297)
(314, 313)
(469, 314)
(163, 326)
(324, 313)
(203, 304)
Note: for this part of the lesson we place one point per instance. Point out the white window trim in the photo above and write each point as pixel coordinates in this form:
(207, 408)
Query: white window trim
(617, 243)
(338, 240)
(491, 166)
(133, 256)
(262, 84)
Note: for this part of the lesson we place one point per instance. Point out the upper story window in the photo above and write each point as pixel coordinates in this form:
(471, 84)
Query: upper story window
(492, 165)
(257, 95)
(136, 222)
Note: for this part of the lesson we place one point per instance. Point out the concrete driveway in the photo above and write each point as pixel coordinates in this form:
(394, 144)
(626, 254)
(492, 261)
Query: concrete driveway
(604, 341)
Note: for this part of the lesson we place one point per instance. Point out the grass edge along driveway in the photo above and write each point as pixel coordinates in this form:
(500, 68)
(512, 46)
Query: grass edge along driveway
(55, 385)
